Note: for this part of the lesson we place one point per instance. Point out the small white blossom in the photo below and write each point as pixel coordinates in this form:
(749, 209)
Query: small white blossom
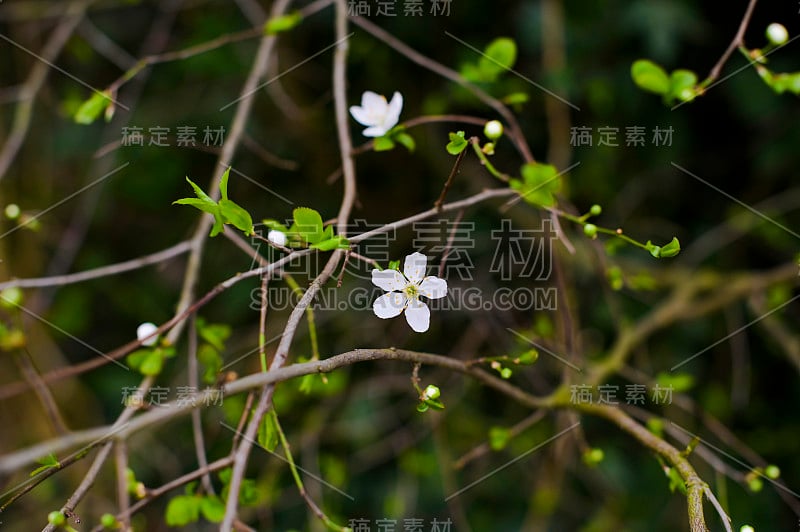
(493, 129)
(375, 112)
(144, 330)
(404, 290)
(277, 237)
(777, 34)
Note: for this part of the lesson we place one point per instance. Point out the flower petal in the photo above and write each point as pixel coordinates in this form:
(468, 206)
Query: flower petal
(389, 280)
(372, 101)
(392, 115)
(418, 315)
(433, 287)
(374, 131)
(414, 267)
(389, 305)
(362, 115)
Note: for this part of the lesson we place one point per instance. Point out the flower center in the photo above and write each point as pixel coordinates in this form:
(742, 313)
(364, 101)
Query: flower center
(411, 291)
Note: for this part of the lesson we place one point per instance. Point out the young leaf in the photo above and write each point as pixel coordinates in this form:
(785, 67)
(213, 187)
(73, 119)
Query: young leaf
(682, 83)
(153, 363)
(236, 216)
(332, 243)
(282, 23)
(499, 56)
(539, 183)
(309, 224)
(182, 510)
(212, 508)
(383, 144)
(211, 361)
(223, 183)
(650, 77)
(457, 143)
(89, 110)
(46, 463)
(214, 333)
(268, 431)
(498, 438)
(406, 140)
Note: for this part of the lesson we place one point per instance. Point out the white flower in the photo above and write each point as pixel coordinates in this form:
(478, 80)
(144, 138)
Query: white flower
(777, 34)
(277, 237)
(144, 330)
(404, 290)
(377, 113)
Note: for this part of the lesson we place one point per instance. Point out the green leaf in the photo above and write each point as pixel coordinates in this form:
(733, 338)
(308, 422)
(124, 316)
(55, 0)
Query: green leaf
(539, 183)
(650, 77)
(214, 333)
(223, 183)
(406, 140)
(457, 143)
(153, 363)
(499, 56)
(200, 193)
(308, 224)
(282, 23)
(212, 362)
(225, 475)
(383, 143)
(498, 438)
(212, 508)
(136, 358)
(682, 85)
(516, 98)
(89, 110)
(236, 216)
(47, 462)
(528, 357)
(671, 249)
(679, 382)
(268, 431)
(203, 205)
(182, 510)
(337, 242)
(667, 251)
(675, 481)
(275, 224)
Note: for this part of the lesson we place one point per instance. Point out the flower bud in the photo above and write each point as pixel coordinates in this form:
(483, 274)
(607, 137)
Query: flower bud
(595, 210)
(277, 237)
(144, 330)
(590, 230)
(12, 211)
(432, 392)
(777, 34)
(493, 129)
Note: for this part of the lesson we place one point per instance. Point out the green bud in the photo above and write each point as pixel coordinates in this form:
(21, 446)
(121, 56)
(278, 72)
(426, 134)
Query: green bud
(108, 521)
(593, 456)
(772, 471)
(432, 392)
(12, 211)
(595, 210)
(493, 129)
(506, 373)
(747, 528)
(56, 518)
(488, 148)
(11, 298)
(528, 357)
(755, 484)
(590, 230)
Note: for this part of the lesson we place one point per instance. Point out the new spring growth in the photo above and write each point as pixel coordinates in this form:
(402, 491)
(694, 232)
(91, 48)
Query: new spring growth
(144, 331)
(431, 392)
(590, 230)
(10, 298)
(777, 34)
(493, 130)
(12, 211)
(277, 237)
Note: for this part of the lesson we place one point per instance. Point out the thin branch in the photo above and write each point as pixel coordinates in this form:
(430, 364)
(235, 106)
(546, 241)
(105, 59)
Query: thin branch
(738, 40)
(24, 111)
(103, 271)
